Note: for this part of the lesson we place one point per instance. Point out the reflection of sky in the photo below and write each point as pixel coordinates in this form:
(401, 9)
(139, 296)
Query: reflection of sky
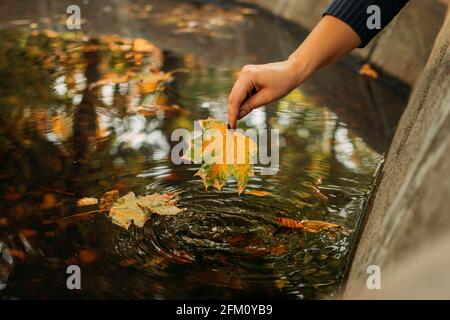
(136, 132)
(344, 149)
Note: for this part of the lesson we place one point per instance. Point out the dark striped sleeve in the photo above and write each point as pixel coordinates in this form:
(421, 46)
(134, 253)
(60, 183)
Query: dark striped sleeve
(355, 14)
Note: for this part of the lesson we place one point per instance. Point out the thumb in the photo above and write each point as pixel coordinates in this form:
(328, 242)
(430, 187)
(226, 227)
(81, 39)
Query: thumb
(255, 101)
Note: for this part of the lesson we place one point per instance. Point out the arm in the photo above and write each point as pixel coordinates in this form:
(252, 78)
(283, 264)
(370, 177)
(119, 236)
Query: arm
(342, 29)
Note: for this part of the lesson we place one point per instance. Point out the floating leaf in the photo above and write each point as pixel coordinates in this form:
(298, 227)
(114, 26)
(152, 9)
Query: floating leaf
(162, 204)
(317, 225)
(126, 211)
(289, 223)
(87, 256)
(367, 70)
(312, 226)
(258, 193)
(87, 202)
(49, 201)
(224, 153)
(131, 209)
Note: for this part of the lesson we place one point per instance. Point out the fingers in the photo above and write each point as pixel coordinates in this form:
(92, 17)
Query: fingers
(242, 88)
(255, 101)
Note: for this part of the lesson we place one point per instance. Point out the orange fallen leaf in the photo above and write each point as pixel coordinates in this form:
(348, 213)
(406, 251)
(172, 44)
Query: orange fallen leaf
(28, 233)
(367, 70)
(49, 234)
(258, 193)
(127, 263)
(4, 221)
(87, 256)
(315, 226)
(278, 250)
(71, 260)
(18, 254)
(289, 223)
(312, 226)
(48, 201)
(280, 283)
(11, 196)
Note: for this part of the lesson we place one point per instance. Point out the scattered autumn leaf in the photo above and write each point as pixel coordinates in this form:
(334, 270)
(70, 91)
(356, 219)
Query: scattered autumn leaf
(127, 263)
(4, 222)
(278, 250)
(131, 209)
(289, 223)
(11, 196)
(48, 201)
(28, 233)
(312, 226)
(87, 256)
(280, 283)
(367, 70)
(87, 202)
(17, 254)
(315, 226)
(49, 234)
(108, 199)
(126, 211)
(258, 193)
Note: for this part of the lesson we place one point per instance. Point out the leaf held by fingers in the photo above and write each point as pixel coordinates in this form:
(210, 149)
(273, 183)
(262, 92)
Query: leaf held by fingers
(224, 154)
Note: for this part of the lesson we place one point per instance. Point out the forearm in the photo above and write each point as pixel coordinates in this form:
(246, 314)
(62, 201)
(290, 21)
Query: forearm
(330, 40)
(343, 28)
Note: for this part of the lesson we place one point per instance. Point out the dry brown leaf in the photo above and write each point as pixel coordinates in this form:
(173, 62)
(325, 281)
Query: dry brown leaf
(87, 202)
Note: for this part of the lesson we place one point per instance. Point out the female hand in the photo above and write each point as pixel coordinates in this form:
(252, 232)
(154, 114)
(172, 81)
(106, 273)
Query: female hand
(258, 85)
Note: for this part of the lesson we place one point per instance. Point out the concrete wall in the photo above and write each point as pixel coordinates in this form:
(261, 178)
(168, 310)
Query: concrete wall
(408, 226)
(401, 50)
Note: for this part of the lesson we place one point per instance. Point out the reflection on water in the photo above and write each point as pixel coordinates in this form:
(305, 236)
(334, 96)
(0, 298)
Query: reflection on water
(81, 116)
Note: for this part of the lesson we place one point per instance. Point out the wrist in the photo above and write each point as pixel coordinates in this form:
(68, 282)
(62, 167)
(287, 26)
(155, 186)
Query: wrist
(300, 68)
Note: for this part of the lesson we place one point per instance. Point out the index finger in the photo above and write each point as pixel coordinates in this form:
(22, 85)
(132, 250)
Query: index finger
(237, 96)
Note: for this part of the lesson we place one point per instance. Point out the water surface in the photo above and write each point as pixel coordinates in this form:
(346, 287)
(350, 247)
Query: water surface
(75, 121)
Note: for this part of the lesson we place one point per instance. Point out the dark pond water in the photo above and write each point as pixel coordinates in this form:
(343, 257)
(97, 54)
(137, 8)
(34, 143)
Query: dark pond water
(72, 124)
